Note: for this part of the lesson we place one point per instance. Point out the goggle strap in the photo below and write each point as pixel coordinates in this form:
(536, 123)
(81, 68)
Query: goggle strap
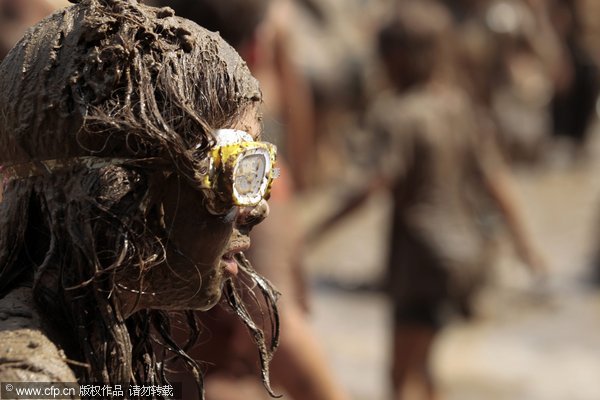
(47, 167)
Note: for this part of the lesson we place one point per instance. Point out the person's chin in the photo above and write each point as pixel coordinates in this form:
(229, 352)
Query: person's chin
(212, 294)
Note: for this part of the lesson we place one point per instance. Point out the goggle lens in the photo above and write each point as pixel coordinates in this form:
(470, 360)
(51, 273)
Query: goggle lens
(249, 175)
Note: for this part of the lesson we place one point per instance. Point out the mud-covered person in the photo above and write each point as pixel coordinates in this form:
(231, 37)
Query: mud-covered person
(446, 183)
(132, 173)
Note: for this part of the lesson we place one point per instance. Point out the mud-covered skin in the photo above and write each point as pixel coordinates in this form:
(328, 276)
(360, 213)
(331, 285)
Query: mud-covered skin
(26, 354)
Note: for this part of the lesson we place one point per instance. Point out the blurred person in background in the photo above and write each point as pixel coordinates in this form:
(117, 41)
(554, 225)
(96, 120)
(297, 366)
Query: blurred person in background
(448, 184)
(514, 61)
(332, 43)
(257, 29)
(574, 104)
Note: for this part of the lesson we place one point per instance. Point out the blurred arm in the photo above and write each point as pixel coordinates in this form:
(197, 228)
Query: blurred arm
(500, 187)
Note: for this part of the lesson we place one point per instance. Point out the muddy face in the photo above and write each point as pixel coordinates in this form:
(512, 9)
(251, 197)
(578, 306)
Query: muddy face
(200, 246)
(193, 273)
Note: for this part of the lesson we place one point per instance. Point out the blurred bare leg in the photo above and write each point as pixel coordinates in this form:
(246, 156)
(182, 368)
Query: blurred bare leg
(411, 374)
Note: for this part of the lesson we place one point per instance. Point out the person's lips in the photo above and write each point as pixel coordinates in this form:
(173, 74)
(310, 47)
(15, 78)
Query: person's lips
(237, 245)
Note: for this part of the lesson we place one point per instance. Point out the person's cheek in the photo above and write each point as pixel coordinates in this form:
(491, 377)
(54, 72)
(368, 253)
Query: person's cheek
(211, 240)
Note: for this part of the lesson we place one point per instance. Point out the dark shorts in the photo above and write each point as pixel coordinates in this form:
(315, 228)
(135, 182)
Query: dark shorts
(421, 286)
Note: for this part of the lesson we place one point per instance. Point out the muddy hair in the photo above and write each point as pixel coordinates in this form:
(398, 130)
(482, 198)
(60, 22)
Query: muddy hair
(109, 78)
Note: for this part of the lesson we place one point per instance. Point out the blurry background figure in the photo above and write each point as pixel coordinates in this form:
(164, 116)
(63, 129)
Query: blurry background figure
(332, 46)
(574, 104)
(578, 108)
(529, 53)
(18, 15)
(257, 28)
(447, 182)
(514, 61)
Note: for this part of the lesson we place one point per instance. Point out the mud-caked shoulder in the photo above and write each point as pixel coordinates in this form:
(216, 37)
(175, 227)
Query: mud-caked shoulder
(26, 352)
(17, 311)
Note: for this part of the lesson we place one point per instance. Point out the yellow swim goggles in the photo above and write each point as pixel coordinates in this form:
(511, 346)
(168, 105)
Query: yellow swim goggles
(237, 171)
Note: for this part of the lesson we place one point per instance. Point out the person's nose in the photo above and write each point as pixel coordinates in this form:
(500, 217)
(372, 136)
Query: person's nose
(248, 217)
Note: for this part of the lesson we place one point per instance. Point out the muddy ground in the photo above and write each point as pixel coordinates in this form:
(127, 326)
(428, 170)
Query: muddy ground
(530, 341)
